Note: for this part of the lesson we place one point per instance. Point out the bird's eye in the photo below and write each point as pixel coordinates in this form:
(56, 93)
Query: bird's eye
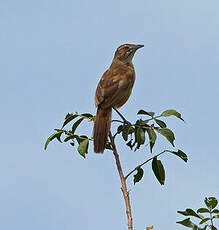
(127, 47)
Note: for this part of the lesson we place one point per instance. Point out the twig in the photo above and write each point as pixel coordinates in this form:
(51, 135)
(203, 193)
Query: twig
(118, 121)
(123, 182)
(144, 163)
(211, 221)
(123, 118)
(73, 135)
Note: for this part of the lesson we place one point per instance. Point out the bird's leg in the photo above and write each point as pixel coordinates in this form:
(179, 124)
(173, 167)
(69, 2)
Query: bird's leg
(123, 118)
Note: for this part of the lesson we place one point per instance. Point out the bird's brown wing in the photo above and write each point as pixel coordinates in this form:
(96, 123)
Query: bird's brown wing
(112, 88)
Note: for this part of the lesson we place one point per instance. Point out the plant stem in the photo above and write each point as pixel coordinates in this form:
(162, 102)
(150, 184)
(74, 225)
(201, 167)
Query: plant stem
(73, 135)
(144, 163)
(123, 183)
(211, 220)
(123, 118)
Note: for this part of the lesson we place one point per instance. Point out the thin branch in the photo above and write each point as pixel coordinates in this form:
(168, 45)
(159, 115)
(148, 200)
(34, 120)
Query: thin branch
(126, 121)
(118, 121)
(145, 163)
(123, 182)
(71, 134)
(134, 125)
(123, 118)
(114, 136)
(211, 220)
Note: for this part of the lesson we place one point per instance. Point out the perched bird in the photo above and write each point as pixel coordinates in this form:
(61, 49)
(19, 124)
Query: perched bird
(113, 90)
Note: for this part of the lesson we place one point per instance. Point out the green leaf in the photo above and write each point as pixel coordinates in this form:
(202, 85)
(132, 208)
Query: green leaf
(109, 146)
(158, 170)
(140, 136)
(56, 135)
(151, 114)
(131, 130)
(189, 212)
(215, 211)
(69, 117)
(203, 210)
(168, 134)
(130, 144)
(141, 122)
(76, 124)
(171, 112)
(120, 128)
(69, 138)
(83, 147)
(87, 115)
(72, 143)
(216, 216)
(160, 123)
(180, 154)
(204, 220)
(80, 138)
(125, 132)
(138, 176)
(187, 223)
(152, 137)
(211, 202)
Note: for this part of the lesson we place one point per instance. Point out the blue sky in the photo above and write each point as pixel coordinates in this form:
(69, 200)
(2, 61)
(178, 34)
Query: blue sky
(52, 55)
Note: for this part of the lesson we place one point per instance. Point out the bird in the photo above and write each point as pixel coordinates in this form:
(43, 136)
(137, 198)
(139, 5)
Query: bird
(113, 90)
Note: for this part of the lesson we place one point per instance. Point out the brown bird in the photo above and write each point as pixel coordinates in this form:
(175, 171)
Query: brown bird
(113, 90)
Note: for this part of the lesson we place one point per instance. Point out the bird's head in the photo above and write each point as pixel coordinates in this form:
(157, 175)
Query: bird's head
(126, 52)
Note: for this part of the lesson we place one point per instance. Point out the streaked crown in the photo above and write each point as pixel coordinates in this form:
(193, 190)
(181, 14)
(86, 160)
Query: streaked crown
(126, 52)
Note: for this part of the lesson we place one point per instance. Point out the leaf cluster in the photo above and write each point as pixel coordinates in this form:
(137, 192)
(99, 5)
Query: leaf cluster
(70, 136)
(135, 136)
(157, 166)
(205, 221)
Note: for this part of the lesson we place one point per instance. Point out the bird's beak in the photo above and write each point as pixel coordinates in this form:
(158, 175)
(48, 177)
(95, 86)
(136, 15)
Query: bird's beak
(136, 47)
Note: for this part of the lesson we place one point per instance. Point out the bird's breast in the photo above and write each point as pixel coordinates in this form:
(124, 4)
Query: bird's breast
(125, 89)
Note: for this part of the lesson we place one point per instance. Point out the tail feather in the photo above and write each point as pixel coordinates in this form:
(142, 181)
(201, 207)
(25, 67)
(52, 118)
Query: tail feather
(101, 129)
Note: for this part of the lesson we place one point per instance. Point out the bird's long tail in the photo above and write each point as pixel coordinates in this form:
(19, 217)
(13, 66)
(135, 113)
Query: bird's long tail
(101, 129)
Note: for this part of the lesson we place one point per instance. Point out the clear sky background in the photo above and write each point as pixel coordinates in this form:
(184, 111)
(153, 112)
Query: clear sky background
(52, 54)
